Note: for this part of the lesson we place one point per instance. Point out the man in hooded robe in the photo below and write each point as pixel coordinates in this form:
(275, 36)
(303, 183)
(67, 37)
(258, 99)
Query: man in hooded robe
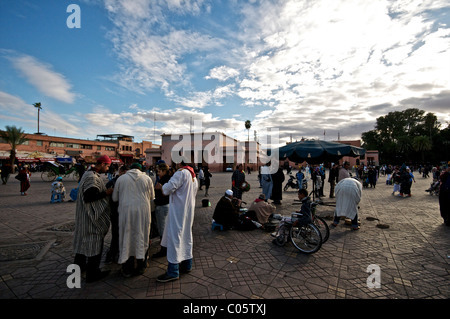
(135, 193)
(348, 195)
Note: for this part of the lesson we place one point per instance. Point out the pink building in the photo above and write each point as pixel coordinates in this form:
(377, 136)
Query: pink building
(213, 149)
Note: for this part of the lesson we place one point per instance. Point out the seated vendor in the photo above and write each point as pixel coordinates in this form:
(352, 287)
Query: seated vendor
(226, 212)
(262, 209)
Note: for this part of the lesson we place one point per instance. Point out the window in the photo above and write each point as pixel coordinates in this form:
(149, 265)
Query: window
(99, 147)
(86, 147)
(109, 148)
(56, 144)
(71, 145)
(39, 143)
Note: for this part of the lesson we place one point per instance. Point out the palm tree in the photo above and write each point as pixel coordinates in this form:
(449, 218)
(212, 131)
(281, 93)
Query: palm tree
(422, 144)
(248, 125)
(13, 136)
(38, 106)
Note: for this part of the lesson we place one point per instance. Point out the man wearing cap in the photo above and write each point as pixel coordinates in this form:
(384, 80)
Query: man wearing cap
(135, 193)
(226, 212)
(92, 220)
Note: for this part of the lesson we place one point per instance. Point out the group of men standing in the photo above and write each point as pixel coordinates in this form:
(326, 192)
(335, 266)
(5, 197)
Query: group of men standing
(134, 192)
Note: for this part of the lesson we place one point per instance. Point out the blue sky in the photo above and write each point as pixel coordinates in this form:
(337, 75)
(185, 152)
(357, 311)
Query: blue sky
(301, 67)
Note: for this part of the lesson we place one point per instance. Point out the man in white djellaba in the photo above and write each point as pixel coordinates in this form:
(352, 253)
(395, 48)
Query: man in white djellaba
(135, 193)
(348, 196)
(177, 237)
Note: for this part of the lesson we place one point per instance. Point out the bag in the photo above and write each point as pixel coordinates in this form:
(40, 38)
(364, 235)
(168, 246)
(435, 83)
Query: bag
(74, 194)
(206, 203)
(19, 177)
(245, 186)
(245, 223)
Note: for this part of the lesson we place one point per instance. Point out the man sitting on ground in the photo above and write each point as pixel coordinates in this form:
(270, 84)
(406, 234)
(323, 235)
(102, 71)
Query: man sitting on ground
(262, 209)
(226, 212)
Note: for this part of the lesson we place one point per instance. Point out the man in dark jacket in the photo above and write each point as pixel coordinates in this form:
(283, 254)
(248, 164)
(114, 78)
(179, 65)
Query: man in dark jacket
(226, 212)
(332, 178)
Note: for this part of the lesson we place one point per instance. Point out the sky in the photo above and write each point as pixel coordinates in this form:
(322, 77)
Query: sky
(317, 69)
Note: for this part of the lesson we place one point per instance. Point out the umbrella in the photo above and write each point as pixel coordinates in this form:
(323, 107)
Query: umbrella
(318, 151)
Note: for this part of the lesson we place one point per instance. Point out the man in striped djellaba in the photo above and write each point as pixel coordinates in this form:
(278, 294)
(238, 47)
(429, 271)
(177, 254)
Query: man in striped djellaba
(92, 220)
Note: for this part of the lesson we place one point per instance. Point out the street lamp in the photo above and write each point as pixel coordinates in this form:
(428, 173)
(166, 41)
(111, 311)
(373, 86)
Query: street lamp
(38, 106)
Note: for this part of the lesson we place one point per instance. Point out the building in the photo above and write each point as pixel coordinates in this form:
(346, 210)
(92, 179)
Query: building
(213, 149)
(127, 150)
(370, 158)
(42, 148)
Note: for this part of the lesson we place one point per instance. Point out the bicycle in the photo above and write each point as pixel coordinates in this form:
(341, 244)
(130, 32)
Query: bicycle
(319, 222)
(52, 171)
(305, 236)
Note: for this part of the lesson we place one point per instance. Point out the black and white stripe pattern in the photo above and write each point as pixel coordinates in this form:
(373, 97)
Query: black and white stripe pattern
(92, 219)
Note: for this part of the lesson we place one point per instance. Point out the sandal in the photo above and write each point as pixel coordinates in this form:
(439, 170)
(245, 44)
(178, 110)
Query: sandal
(355, 227)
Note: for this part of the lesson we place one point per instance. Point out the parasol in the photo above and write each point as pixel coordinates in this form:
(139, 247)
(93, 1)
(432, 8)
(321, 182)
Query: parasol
(318, 151)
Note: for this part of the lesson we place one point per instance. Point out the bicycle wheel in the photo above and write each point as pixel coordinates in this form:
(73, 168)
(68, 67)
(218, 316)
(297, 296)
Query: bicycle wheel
(286, 187)
(48, 176)
(306, 238)
(320, 223)
(75, 176)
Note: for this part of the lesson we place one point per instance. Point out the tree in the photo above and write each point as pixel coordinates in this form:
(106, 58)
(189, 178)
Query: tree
(394, 134)
(422, 144)
(39, 108)
(248, 125)
(13, 136)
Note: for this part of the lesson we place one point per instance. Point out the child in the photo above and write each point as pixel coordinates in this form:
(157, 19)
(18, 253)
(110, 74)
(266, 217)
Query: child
(58, 188)
(396, 179)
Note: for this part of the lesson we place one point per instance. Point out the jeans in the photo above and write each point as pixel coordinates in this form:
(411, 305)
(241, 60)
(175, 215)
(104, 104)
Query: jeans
(173, 270)
(161, 213)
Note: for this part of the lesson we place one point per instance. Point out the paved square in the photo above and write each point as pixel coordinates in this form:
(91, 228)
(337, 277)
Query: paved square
(412, 254)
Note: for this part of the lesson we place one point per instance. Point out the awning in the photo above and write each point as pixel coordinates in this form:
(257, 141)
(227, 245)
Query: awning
(46, 159)
(126, 155)
(64, 160)
(27, 159)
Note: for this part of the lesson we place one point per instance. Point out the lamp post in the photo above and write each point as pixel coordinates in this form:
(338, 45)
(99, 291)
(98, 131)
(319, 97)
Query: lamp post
(38, 106)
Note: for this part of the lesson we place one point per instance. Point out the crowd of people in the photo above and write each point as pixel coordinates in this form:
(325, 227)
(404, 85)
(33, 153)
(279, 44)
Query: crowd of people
(135, 207)
(126, 204)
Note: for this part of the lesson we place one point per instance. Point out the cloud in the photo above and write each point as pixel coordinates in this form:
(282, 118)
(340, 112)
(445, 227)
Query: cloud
(222, 73)
(15, 108)
(303, 66)
(44, 78)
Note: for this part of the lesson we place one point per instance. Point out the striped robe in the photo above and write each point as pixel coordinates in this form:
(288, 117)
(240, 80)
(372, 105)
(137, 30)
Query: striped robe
(91, 219)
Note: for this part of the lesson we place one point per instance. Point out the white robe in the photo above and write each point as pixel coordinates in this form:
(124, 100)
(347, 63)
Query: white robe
(177, 236)
(135, 193)
(348, 195)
